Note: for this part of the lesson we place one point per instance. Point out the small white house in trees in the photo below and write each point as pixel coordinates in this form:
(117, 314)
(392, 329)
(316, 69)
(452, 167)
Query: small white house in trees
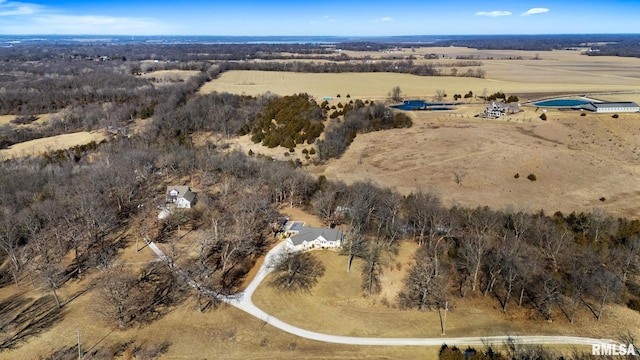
(307, 237)
(180, 196)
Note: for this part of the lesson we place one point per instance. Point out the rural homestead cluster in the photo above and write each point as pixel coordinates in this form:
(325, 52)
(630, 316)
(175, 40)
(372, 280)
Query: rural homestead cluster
(298, 236)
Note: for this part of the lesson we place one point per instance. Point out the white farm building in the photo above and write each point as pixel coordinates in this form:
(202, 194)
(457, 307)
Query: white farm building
(612, 107)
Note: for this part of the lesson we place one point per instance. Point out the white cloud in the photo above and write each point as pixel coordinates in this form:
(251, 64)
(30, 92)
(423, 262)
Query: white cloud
(534, 11)
(9, 8)
(329, 19)
(493, 13)
(24, 18)
(384, 19)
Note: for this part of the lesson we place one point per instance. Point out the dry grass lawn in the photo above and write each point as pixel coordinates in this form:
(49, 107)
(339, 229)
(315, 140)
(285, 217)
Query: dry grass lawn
(338, 306)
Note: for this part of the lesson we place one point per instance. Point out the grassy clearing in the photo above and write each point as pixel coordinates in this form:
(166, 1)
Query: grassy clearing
(38, 146)
(169, 76)
(6, 119)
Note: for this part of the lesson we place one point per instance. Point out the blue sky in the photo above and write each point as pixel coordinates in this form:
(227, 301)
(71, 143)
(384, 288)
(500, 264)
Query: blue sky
(328, 17)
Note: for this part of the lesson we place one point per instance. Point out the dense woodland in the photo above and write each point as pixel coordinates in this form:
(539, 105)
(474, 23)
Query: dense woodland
(68, 214)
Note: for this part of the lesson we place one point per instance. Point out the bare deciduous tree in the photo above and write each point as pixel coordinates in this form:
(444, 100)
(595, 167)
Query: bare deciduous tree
(119, 297)
(10, 243)
(424, 286)
(478, 237)
(296, 271)
(395, 95)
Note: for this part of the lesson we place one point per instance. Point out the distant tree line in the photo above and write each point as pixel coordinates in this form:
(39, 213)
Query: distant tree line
(403, 67)
(627, 47)
(535, 42)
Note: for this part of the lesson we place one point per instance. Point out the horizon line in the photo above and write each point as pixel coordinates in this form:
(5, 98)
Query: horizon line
(335, 36)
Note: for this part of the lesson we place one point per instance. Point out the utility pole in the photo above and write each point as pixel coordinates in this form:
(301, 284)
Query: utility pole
(443, 317)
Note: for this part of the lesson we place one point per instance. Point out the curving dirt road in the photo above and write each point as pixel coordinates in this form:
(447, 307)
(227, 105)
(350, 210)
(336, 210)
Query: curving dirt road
(243, 302)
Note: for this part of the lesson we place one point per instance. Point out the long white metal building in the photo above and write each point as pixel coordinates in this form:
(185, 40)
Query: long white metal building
(612, 107)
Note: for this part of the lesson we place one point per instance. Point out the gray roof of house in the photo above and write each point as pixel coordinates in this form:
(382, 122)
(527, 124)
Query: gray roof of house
(189, 196)
(181, 189)
(183, 192)
(311, 233)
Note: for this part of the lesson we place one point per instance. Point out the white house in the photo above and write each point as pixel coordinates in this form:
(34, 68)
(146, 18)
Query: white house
(498, 110)
(180, 196)
(316, 238)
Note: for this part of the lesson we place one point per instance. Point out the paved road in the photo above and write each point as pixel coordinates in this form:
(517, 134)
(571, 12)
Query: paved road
(243, 302)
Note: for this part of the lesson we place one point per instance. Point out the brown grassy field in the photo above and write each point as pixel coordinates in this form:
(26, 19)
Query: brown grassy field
(38, 146)
(561, 71)
(5, 119)
(577, 161)
(169, 76)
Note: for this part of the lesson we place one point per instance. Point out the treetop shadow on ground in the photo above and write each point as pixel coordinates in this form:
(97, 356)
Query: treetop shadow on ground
(22, 318)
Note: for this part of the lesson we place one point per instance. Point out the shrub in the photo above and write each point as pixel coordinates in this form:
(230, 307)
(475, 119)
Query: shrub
(531, 177)
(615, 116)
(297, 118)
(517, 175)
(583, 114)
(543, 117)
(634, 304)
(312, 151)
(21, 120)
